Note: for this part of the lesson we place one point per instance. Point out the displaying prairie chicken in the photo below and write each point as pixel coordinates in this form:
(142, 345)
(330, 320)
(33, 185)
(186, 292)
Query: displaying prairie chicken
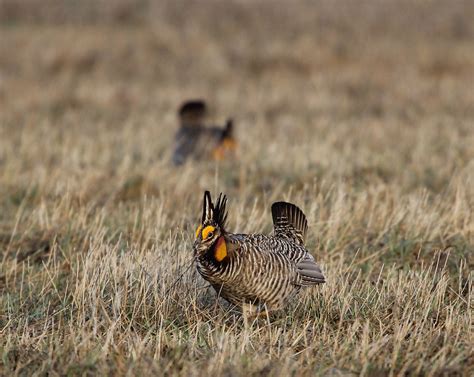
(195, 140)
(255, 269)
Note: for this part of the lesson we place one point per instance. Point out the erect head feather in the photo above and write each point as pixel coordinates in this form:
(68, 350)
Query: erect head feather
(214, 214)
(207, 208)
(220, 212)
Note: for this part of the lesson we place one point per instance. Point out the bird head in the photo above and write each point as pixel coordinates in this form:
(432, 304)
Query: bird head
(210, 233)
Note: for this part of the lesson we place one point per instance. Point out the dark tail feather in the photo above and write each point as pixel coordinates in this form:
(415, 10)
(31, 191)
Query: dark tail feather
(192, 113)
(290, 220)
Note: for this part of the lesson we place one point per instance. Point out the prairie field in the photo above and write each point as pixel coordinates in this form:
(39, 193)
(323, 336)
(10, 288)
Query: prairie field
(361, 113)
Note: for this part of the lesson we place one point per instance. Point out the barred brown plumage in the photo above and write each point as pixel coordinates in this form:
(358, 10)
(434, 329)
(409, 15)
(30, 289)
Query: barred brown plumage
(256, 269)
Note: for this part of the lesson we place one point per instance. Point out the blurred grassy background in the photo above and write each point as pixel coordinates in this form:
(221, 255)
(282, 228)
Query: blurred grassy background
(359, 112)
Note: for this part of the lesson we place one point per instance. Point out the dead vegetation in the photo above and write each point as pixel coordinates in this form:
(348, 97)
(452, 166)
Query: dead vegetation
(360, 113)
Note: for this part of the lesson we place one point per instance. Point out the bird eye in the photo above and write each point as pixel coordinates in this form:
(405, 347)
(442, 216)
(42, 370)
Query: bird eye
(207, 232)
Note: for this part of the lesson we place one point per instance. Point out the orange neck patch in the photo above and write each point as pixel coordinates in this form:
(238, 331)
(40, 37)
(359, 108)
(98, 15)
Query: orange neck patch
(226, 146)
(220, 250)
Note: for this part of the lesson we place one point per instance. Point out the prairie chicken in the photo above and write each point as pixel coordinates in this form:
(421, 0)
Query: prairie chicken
(195, 140)
(255, 270)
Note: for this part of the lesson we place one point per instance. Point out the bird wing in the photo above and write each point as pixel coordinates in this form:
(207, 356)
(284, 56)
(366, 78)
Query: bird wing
(309, 273)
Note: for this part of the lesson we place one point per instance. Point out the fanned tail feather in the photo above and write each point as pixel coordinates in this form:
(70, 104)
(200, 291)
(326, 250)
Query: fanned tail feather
(290, 221)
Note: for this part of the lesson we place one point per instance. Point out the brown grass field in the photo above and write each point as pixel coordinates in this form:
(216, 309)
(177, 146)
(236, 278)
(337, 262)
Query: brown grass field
(361, 113)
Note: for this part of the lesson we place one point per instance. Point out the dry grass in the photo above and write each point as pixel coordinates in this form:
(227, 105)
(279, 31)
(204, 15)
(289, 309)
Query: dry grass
(360, 113)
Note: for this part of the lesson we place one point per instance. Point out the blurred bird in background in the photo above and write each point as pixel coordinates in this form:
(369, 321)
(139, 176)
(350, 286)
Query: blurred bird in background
(194, 140)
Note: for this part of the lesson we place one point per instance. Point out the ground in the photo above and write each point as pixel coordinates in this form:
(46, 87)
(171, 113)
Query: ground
(361, 113)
